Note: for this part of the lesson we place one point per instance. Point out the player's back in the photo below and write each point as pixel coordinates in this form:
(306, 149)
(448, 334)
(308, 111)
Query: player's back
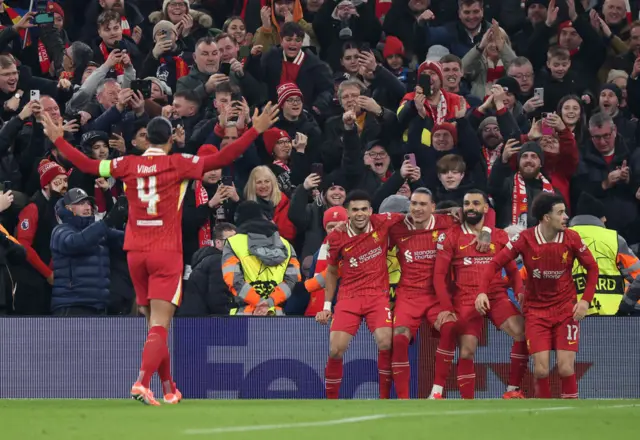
(549, 283)
(155, 185)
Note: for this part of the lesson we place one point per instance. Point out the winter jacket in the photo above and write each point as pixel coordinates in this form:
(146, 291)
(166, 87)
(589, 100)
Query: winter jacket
(476, 66)
(81, 265)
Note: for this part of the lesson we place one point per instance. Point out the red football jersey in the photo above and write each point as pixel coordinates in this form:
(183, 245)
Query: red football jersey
(417, 254)
(155, 185)
(459, 260)
(549, 286)
(364, 257)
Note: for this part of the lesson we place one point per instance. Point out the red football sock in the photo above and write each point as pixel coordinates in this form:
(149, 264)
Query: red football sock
(543, 388)
(164, 371)
(400, 366)
(569, 387)
(154, 351)
(444, 353)
(384, 373)
(333, 378)
(519, 361)
(466, 378)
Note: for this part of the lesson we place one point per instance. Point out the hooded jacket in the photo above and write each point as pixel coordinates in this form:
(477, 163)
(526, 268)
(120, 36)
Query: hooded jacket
(81, 264)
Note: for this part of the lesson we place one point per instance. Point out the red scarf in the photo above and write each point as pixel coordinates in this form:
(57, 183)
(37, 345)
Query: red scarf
(290, 69)
(282, 165)
(204, 233)
(495, 73)
(519, 202)
(181, 67)
(382, 8)
(124, 25)
(119, 68)
(490, 156)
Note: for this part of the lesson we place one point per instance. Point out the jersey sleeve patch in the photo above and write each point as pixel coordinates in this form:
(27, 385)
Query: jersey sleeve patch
(24, 224)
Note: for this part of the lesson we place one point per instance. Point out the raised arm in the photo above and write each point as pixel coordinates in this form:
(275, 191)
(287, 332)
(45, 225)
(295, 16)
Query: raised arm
(78, 159)
(234, 150)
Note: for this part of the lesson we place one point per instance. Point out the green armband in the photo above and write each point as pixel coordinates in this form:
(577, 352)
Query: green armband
(105, 168)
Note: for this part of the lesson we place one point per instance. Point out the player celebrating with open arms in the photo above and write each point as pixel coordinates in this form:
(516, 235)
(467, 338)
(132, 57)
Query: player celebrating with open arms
(459, 261)
(364, 288)
(155, 185)
(551, 313)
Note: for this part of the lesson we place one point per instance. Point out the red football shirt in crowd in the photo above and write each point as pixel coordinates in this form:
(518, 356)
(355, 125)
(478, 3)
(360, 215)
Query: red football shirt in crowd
(364, 257)
(549, 287)
(417, 253)
(459, 260)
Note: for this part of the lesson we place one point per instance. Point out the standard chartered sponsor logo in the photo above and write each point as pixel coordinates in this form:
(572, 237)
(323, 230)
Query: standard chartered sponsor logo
(419, 255)
(370, 255)
(468, 261)
(548, 274)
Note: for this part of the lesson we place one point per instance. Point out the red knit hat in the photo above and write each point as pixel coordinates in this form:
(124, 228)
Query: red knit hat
(564, 25)
(335, 214)
(447, 126)
(286, 91)
(432, 65)
(56, 8)
(392, 46)
(48, 171)
(207, 150)
(271, 138)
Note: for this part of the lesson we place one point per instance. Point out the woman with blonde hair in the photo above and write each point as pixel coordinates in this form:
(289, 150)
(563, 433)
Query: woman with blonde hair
(485, 63)
(262, 187)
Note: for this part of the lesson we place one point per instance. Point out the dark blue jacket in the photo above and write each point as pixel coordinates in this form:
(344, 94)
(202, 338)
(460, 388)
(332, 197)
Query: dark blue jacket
(80, 254)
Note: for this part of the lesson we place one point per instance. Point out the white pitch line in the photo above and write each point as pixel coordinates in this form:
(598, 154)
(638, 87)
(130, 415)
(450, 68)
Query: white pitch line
(350, 420)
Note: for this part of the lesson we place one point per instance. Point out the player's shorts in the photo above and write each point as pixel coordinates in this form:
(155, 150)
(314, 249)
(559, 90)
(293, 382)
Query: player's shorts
(409, 312)
(471, 322)
(156, 275)
(551, 333)
(349, 312)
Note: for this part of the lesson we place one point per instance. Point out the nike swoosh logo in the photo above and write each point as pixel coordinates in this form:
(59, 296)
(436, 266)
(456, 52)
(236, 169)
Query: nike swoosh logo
(404, 239)
(348, 249)
(573, 342)
(535, 258)
(464, 247)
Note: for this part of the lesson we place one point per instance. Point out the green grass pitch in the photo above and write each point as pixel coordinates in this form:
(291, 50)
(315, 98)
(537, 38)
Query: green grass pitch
(321, 419)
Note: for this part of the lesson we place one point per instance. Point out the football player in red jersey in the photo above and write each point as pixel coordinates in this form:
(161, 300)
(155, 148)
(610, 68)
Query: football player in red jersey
(364, 288)
(155, 185)
(416, 238)
(458, 260)
(550, 309)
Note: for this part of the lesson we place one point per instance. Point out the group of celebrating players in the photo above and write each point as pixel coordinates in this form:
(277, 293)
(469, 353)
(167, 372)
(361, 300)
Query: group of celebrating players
(450, 266)
(451, 274)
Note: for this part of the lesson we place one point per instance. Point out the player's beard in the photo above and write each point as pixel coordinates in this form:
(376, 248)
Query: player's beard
(477, 218)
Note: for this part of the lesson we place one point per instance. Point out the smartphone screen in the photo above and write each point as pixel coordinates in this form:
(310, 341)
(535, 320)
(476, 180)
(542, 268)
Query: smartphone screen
(317, 168)
(411, 158)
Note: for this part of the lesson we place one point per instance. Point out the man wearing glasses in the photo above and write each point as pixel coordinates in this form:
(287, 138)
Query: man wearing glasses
(610, 173)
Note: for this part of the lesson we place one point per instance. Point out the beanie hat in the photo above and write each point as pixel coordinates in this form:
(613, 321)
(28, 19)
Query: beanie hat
(564, 25)
(589, 205)
(335, 214)
(529, 3)
(207, 150)
(532, 147)
(162, 25)
(286, 91)
(55, 8)
(271, 138)
(447, 126)
(615, 89)
(433, 66)
(392, 46)
(614, 74)
(510, 84)
(49, 170)
(248, 210)
(333, 179)
(91, 137)
(165, 5)
(159, 130)
(395, 203)
(490, 120)
(163, 85)
(436, 52)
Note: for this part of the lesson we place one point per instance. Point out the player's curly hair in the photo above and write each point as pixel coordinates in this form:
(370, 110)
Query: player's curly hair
(357, 195)
(543, 204)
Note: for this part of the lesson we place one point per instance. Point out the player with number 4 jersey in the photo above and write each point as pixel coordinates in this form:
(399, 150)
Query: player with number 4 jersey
(550, 310)
(155, 185)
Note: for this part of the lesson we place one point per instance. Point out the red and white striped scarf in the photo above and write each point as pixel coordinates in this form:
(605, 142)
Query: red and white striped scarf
(519, 202)
(490, 157)
(204, 232)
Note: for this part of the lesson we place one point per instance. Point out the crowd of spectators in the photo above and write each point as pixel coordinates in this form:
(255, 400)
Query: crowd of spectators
(508, 96)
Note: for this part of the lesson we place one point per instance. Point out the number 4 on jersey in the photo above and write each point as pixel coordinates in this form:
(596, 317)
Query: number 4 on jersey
(147, 193)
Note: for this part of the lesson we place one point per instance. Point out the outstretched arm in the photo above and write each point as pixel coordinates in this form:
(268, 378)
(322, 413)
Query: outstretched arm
(78, 159)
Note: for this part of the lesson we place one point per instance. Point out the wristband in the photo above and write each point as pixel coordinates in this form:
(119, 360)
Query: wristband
(327, 306)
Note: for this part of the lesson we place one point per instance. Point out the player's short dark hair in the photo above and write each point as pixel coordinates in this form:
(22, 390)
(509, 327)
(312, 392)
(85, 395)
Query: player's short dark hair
(222, 227)
(159, 130)
(357, 195)
(423, 190)
(291, 29)
(480, 192)
(543, 204)
(446, 204)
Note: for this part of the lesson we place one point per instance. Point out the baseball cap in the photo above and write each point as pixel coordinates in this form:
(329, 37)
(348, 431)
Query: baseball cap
(75, 196)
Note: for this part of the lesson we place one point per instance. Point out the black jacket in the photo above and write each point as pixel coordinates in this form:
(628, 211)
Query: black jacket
(10, 253)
